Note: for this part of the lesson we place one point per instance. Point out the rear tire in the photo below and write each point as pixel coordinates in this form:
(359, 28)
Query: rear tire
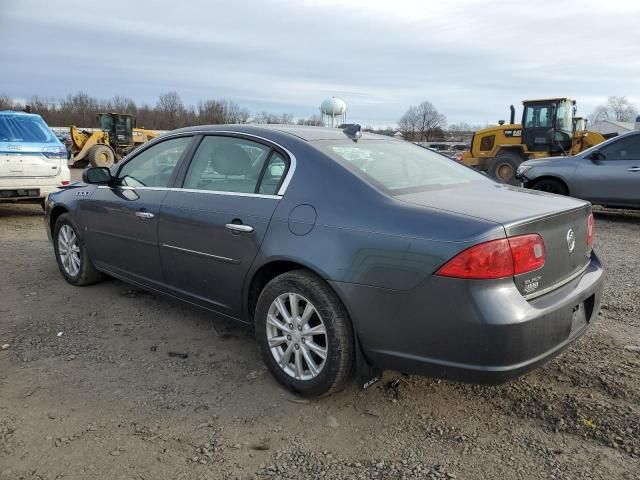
(101, 156)
(71, 254)
(551, 185)
(503, 167)
(318, 363)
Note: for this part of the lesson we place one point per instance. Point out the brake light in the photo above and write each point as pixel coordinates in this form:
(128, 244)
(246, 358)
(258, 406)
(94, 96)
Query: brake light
(591, 230)
(64, 182)
(59, 153)
(527, 252)
(497, 259)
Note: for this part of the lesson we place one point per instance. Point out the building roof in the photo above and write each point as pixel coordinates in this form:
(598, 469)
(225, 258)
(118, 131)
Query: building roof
(621, 125)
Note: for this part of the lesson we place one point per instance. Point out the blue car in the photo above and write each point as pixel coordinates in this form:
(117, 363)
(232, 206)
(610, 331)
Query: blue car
(33, 162)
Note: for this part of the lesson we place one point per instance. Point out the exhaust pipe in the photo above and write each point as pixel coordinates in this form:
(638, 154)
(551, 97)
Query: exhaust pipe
(513, 114)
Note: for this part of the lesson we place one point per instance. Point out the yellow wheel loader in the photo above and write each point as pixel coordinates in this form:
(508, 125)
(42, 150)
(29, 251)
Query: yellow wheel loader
(114, 138)
(549, 128)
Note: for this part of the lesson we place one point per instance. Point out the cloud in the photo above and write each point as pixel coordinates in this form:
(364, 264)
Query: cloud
(470, 58)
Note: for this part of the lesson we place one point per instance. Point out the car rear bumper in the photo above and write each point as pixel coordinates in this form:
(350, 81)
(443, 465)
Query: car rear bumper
(471, 331)
(24, 193)
(32, 188)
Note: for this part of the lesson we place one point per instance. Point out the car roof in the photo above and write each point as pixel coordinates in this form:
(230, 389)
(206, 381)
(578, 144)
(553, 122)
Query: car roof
(15, 113)
(302, 132)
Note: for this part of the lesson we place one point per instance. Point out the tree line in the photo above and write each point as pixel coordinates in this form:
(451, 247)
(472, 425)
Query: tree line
(615, 108)
(168, 113)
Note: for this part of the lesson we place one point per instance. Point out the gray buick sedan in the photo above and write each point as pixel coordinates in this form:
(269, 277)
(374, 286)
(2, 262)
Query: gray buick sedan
(346, 252)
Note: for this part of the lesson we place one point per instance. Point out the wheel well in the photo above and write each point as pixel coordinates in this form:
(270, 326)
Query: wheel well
(55, 213)
(510, 152)
(264, 275)
(549, 177)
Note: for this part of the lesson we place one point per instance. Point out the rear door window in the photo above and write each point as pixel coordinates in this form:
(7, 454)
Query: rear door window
(230, 164)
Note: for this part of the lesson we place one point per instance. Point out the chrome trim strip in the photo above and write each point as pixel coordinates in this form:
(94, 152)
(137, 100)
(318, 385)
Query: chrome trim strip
(292, 158)
(201, 254)
(193, 190)
(557, 284)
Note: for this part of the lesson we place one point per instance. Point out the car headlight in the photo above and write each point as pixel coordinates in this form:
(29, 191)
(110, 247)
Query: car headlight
(522, 169)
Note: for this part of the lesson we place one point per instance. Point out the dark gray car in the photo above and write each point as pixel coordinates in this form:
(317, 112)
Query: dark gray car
(346, 252)
(607, 174)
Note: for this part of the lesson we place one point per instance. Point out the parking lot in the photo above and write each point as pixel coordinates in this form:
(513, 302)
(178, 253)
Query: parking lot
(111, 381)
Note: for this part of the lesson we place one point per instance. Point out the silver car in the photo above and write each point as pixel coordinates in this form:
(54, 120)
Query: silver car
(607, 174)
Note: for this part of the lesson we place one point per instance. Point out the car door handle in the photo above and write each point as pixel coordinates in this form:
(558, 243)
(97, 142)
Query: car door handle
(634, 169)
(239, 228)
(145, 215)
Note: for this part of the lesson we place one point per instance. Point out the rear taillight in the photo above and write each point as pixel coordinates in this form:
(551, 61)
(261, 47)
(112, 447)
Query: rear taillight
(64, 182)
(527, 252)
(497, 259)
(591, 230)
(58, 153)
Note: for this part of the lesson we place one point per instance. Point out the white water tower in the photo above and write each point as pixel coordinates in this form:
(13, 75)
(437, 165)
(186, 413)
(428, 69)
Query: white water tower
(334, 112)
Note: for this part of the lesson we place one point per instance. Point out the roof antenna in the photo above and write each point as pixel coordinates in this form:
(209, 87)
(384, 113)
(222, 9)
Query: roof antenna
(352, 130)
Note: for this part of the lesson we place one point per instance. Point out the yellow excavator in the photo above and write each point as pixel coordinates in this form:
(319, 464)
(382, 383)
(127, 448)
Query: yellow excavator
(115, 137)
(549, 128)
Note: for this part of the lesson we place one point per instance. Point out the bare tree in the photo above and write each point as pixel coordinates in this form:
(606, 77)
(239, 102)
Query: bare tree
(80, 109)
(616, 108)
(234, 113)
(8, 103)
(408, 124)
(429, 120)
(267, 117)
(211, 112)
(120, 104)
(171, 108)
(313, 120)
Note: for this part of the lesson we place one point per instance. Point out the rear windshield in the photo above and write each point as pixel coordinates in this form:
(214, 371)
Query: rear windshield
(399, 167)
(18, 128)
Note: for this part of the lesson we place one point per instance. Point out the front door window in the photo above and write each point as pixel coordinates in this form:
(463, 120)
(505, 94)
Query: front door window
(153, 167)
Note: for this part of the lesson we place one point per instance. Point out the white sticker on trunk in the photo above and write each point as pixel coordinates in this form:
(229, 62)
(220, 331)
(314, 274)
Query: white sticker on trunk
(531, 284)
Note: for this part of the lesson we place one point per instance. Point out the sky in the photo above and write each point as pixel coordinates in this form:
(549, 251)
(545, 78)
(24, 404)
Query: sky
(470, 58)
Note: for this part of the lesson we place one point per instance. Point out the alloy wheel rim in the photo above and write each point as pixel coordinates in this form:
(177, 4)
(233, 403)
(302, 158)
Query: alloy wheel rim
(69, 250)
(505, 171)
(297, 336)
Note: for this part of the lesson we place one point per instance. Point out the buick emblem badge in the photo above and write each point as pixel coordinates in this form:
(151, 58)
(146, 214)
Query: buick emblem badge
(571, 240)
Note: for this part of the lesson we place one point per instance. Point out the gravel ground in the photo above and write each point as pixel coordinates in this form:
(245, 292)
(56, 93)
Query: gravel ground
(90, 387)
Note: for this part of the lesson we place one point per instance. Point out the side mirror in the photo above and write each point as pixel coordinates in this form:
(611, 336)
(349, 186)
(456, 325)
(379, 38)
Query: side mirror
(97, 176)
(595, 155)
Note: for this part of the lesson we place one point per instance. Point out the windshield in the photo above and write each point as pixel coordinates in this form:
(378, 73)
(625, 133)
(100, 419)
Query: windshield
(564, 117)
(537, 116)
(399, 167)
(22, 128)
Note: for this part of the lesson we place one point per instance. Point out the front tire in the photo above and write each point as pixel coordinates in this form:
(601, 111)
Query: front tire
(551, 185)
(101, 156)
(71, 253)
(304, 334)
(503, 167)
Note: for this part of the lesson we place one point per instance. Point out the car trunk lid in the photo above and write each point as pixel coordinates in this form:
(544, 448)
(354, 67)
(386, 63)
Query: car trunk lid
(560, 221)
(567, 251)
(26, 161)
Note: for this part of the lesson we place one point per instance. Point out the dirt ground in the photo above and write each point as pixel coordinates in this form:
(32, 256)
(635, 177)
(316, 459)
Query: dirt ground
(89, 389)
